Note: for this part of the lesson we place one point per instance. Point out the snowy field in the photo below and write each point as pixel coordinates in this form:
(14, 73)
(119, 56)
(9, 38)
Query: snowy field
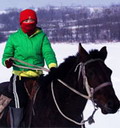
(113, 61)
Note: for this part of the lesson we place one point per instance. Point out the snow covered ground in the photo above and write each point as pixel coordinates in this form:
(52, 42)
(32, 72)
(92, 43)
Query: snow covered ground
(64, 50)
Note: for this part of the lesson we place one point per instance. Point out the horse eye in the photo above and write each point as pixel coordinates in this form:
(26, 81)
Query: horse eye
(91, 73)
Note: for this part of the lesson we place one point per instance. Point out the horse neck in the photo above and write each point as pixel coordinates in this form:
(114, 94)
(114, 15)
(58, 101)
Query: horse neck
(68, 100)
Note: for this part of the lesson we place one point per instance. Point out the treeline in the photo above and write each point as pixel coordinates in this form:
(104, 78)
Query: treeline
(70, 24)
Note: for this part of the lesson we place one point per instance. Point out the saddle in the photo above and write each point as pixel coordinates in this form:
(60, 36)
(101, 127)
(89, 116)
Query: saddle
(4, 101)
(5, 97)
(31, 87)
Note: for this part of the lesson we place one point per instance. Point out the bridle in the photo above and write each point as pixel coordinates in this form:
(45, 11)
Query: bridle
(81, 70)
(90, 91)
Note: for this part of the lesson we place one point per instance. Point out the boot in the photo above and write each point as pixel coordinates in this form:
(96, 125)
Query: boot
(16, 116)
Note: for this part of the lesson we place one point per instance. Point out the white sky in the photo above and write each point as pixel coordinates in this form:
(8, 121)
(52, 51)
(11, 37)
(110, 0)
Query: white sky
(5, 4)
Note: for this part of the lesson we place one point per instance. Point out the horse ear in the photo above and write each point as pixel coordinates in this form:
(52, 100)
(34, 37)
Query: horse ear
(103, 53)
(82, 53)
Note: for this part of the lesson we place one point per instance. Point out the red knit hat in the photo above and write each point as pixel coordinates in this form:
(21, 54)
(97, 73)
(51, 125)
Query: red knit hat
(25, 14)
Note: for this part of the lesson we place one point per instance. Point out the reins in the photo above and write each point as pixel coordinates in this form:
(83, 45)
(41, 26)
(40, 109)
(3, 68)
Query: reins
(74, 90)
(26, 67)
(90, 91)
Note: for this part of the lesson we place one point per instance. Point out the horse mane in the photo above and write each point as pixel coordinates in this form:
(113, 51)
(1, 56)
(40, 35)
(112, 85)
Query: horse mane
(59, 72)
(66, 66)
(72, 60)
(94, 54)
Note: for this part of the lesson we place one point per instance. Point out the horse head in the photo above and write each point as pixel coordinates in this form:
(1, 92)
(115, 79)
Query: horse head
(97, 76)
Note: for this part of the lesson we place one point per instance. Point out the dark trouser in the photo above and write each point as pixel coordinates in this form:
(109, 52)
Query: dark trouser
(16, 117)
(19, 102)
(20, 96)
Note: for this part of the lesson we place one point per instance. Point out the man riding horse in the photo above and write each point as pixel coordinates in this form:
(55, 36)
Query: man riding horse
(31, 45)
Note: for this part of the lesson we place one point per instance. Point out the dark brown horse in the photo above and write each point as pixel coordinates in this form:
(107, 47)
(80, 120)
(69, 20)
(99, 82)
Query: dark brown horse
(63, 93)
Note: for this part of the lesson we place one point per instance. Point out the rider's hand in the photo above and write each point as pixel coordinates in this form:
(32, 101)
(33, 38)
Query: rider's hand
(53, 73)
(8, 63)
(53, 70)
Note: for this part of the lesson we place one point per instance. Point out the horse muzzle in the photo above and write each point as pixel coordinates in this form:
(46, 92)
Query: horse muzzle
(110, 107)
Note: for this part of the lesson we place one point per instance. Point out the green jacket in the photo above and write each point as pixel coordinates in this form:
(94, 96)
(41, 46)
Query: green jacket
(34, 49)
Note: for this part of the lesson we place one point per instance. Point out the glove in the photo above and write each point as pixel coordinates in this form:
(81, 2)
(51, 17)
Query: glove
(8, 63)
(53, 72)
(45, 80)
